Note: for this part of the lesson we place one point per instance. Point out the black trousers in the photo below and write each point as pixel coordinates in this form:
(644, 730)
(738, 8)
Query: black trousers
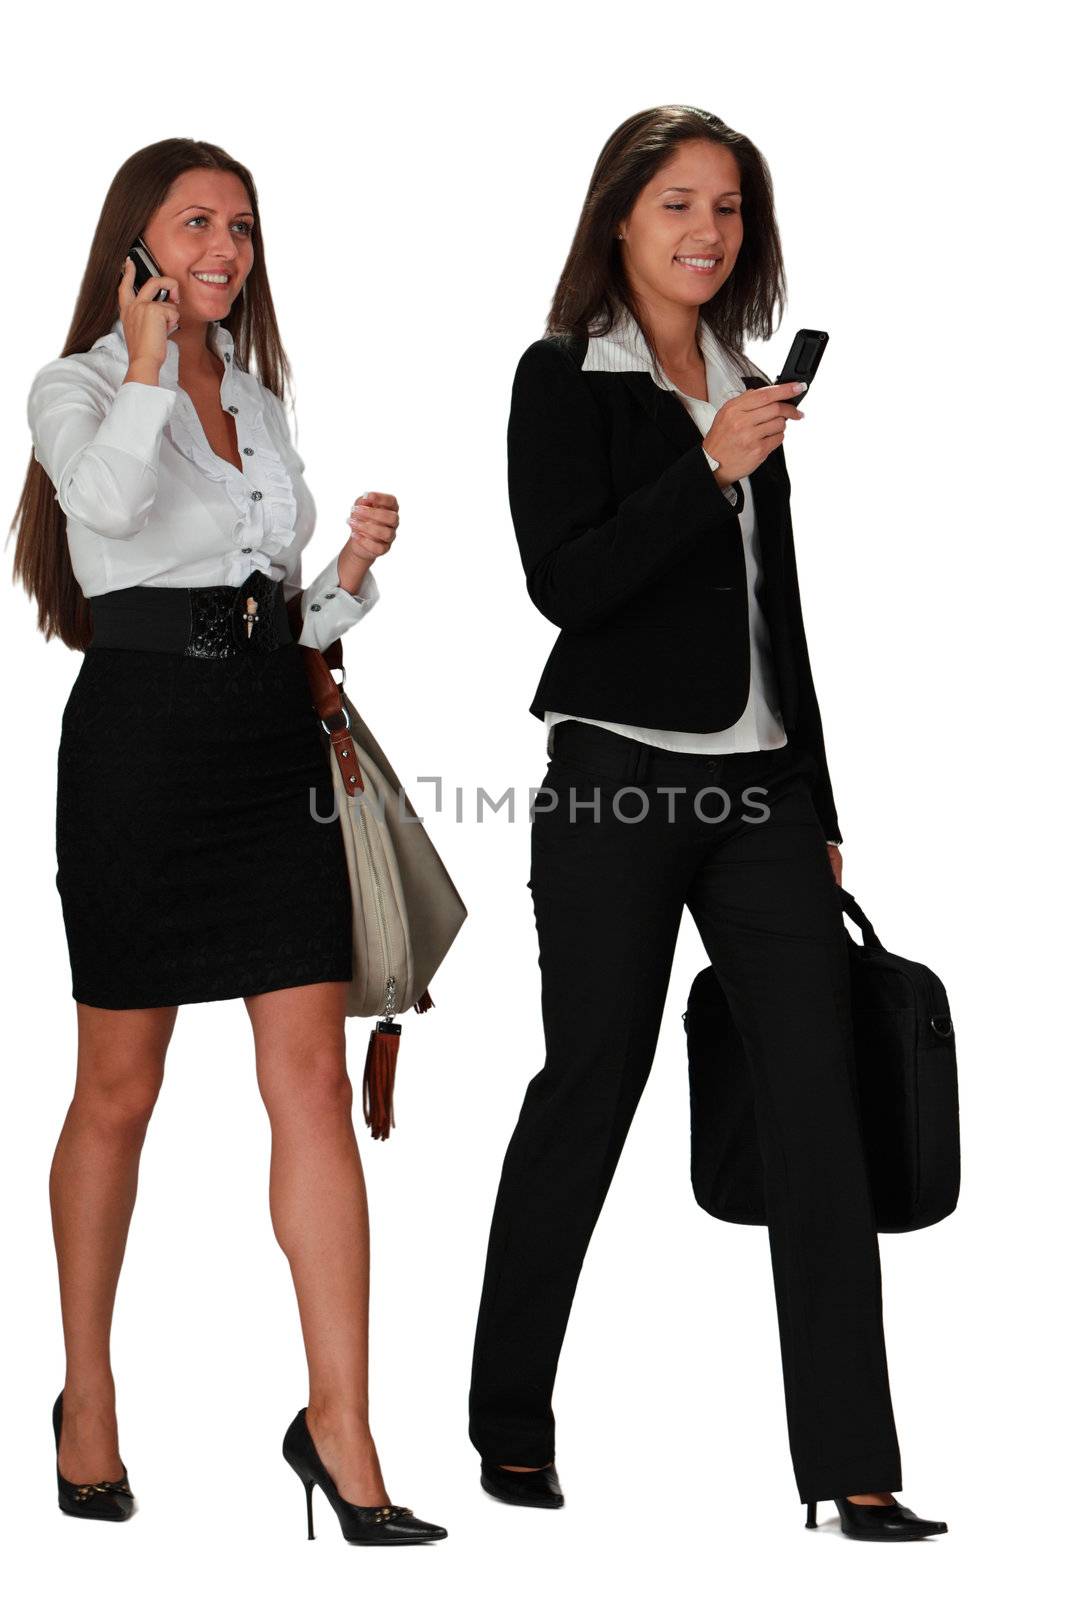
(615, 859)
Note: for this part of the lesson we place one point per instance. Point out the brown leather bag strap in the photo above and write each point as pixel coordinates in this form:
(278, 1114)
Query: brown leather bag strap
(327, 699)
(333, 715)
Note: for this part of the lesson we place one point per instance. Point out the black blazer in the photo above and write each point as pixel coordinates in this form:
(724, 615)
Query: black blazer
(630, 547)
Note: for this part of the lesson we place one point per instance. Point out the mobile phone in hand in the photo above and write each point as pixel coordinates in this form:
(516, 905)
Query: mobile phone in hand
(145, 267)
(804, 358)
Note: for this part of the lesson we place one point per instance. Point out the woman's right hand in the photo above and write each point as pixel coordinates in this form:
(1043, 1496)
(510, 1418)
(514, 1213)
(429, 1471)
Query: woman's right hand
(147, 322)
(748, 427)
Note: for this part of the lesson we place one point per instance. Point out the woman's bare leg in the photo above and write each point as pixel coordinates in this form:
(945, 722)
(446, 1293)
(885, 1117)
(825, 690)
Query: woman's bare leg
(320, 1216)
(92, 1186)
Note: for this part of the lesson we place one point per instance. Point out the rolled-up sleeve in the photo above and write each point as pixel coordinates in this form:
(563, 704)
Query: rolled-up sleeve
(328, 609)
(100, 452)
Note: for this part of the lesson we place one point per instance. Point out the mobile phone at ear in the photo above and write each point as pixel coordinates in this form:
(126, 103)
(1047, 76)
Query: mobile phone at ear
(804, 358)
(145, 267)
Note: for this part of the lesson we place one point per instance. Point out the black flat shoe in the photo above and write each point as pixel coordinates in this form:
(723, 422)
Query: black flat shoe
(538, 1488)
(359, 1524)
(107, 1501)
(891, 1523)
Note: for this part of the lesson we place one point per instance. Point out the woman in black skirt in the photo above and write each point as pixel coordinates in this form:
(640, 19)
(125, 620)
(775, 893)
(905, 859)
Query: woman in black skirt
(651, 505)
(160, 530)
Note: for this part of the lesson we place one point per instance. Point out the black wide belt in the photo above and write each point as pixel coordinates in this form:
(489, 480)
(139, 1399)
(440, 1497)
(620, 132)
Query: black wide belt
(217, 620)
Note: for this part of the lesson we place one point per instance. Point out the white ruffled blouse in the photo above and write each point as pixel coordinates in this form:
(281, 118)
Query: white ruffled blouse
(147, 499)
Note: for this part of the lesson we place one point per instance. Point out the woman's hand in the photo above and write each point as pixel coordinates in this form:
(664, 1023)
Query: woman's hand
(747, 428)
(373, 522)
(147, 323)
(834, 853)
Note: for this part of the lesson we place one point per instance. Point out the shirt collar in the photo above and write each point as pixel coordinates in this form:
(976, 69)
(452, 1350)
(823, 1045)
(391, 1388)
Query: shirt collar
(219, 339)
(624, 349)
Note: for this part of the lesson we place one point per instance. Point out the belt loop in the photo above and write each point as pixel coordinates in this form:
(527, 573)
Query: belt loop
(641, 762)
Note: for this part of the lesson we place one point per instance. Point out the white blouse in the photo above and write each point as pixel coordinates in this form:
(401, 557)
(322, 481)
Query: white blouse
(148, 501)
(759, 726)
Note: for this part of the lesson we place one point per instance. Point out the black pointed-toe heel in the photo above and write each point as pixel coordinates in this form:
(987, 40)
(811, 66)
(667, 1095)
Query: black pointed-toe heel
(890, 1523)
(359, 1524)
(538, 1488)
(107, 1501)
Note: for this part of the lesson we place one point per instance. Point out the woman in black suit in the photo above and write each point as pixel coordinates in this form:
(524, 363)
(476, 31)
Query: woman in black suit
(650, 499)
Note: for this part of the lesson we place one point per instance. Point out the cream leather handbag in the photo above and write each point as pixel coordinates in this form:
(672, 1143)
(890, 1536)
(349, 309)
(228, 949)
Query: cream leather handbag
(407, 911)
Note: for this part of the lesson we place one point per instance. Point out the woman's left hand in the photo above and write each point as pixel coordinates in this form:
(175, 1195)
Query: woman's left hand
(835, 862)
(373, 523)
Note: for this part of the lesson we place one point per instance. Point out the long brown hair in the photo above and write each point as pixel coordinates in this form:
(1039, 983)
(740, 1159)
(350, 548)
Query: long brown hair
(593, 287)
(42, 560)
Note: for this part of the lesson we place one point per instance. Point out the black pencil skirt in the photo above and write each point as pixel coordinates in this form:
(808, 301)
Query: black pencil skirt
(191, 864)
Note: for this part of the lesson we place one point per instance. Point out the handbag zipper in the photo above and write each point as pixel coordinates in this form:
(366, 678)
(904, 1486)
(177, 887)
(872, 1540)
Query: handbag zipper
(390, 989)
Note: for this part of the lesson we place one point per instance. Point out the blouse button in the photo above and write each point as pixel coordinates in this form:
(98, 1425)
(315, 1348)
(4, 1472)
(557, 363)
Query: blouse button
(247, 450)
(256, 495)
(246, 548)
(314, 607)
(233, 410)
(227, 357)
(330, 596)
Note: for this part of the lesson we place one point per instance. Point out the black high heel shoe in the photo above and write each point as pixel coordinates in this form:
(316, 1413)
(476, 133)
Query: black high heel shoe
(107, 1501)
(359, 1524)
(537, 1488)
(891, 1523)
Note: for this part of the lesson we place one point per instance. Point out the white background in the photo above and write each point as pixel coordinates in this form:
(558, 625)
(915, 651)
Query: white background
(420, 180)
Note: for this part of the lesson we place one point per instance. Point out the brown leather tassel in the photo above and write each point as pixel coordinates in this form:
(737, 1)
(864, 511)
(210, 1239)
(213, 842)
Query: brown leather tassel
(425, 1003)
(378, 1083)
